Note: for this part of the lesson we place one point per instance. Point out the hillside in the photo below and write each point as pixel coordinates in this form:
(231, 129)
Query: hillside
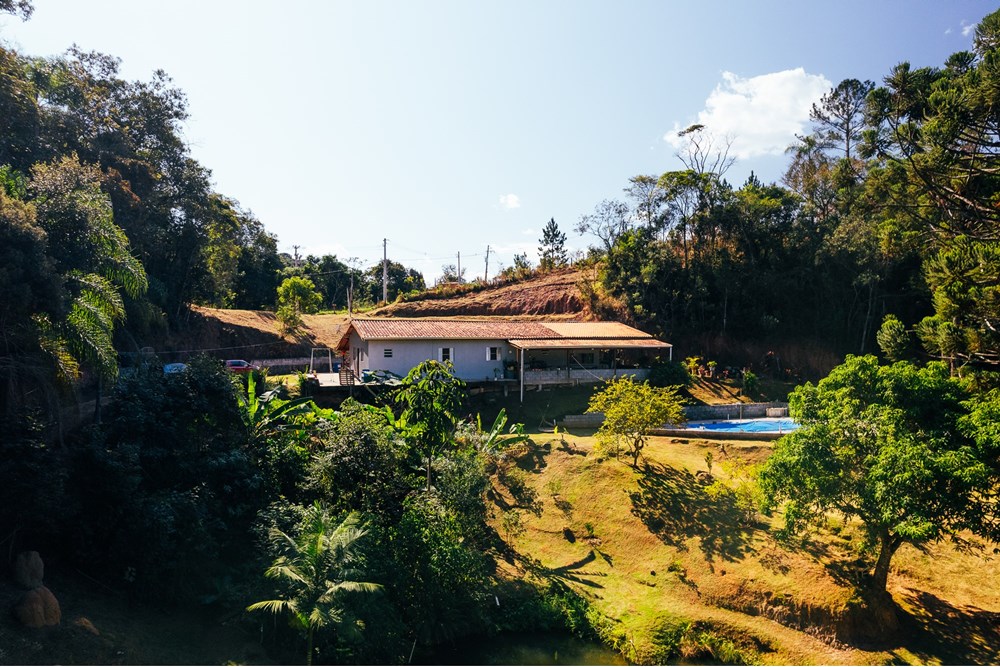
(653, 550)
(253, 334)
(250, 334)
(553, 295)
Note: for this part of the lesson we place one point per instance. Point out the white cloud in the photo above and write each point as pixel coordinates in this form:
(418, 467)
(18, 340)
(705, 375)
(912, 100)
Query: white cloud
(509, 201)
(967, 28)
(761, 114)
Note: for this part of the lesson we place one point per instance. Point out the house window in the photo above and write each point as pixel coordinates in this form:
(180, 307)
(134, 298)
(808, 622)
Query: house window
(387, 353)
(446, 354)
(587, 358)
(492, 353)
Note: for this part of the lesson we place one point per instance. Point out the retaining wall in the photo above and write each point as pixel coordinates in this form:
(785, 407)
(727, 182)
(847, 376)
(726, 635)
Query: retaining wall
(734, 411)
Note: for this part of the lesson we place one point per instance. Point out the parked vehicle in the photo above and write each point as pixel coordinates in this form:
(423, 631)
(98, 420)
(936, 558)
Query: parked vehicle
(240, 366)
(174, 368)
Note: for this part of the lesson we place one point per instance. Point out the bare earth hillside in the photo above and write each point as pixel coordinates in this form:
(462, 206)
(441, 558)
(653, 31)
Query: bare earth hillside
(249, 334)
(253, 334)
(554, 295)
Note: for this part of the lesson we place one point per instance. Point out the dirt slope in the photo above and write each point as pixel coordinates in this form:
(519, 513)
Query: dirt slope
(554, 295)
(247, 334)
(253, 334)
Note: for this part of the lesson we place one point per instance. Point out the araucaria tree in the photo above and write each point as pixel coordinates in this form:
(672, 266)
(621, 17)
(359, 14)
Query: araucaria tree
(631, 410)
(899, 448)
(552, 251)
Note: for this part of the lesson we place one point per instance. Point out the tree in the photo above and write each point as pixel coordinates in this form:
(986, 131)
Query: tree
(609, 221)
(319, 567)
(705, 153)
(296, 295)
(552, 251)
(520, 271)
(401, 280)
(22, 8)
(893, 338)
(839, 116)
(93, 255)
(935, 132)
(431, 397)
(449, 274)
(649, 198)
(891, 446)
(631, 410)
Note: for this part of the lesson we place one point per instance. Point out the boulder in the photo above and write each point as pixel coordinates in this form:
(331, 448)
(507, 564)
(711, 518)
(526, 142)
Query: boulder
(38, 608)
(29, 570)
(84, 624)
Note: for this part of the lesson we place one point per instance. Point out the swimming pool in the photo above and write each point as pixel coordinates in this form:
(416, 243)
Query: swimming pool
(783, 425)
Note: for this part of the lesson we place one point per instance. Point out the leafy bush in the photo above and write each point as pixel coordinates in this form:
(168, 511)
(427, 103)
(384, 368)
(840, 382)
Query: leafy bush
(168, 490)
(665, 373)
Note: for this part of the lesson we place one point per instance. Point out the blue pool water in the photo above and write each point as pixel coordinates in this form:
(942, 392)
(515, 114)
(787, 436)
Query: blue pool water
(783, 425)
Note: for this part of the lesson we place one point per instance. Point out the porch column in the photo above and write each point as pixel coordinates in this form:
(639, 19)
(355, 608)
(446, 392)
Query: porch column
(522, 373)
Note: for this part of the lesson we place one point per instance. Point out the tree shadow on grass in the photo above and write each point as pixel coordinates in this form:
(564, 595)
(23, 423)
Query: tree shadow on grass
(942, 632)
(845, 568)
(533, 457)
(571, 573)
(675, 507)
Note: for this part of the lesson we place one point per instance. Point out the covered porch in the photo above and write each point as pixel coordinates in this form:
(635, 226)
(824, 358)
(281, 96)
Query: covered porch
(561, 362)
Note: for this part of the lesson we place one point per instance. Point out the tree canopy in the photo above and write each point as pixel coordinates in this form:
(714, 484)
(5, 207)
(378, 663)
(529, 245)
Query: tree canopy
(901, 448)
(631, 410)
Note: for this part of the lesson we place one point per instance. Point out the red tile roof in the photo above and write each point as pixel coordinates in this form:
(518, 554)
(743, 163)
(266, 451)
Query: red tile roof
(422, 328)
(396, 329)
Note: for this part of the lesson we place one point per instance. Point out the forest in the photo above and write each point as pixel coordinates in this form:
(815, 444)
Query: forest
(378, 530)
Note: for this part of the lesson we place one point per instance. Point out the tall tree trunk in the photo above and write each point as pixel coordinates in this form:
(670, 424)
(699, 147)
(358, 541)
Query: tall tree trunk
(882, 607)
(887, 547)
(868, 317)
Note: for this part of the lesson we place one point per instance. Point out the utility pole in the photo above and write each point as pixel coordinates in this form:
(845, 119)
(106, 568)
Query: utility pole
(486, 274)
(350, 295)
(459, 276)
(385, 273)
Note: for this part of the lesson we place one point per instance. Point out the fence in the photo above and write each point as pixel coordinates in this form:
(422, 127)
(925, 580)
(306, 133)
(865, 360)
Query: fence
(581, 375)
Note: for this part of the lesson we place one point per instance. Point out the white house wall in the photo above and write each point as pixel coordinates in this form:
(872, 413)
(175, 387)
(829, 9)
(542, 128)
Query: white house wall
(468, 356)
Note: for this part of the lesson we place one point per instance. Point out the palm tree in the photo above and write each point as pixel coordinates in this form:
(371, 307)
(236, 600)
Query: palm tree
(320, 565)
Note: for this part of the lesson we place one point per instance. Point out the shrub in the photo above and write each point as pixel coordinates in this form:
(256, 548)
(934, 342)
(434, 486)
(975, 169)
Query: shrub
(664, 373)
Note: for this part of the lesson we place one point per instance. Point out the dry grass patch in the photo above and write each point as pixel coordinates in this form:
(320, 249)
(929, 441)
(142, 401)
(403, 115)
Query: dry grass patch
(648, 544)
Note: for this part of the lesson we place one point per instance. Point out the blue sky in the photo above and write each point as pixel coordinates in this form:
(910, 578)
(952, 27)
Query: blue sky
(447, 126)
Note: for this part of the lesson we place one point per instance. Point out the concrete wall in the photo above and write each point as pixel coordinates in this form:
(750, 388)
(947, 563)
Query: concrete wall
(468, 356)
(731, 411)
(696, 413)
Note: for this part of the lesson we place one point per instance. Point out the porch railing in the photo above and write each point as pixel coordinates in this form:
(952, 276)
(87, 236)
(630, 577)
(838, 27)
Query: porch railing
(581, 375)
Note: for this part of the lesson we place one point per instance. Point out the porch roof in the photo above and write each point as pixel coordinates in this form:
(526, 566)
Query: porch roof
(587, 343)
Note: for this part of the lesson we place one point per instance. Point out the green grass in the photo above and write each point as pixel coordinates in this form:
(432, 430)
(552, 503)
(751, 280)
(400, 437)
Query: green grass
(652, 551)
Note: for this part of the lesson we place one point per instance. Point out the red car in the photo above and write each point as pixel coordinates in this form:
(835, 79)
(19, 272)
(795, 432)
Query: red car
(240, 366)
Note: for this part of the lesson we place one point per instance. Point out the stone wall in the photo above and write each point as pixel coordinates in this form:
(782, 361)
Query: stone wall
(731, 411)
(697, 413)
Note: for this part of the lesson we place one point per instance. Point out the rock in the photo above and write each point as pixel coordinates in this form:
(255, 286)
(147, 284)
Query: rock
(704, 477)
(84, 624)
(38, 608)
(29, 570)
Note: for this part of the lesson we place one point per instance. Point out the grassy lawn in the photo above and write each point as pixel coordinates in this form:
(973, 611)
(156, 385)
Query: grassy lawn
(650, 548)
